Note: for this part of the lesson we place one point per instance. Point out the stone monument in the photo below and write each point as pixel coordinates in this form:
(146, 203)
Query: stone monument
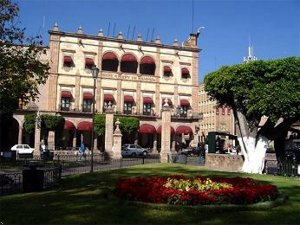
(37, 136)
(165, 152)
(117, 142)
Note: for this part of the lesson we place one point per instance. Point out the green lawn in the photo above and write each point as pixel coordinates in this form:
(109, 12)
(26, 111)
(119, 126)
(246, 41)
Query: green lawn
(87, 199)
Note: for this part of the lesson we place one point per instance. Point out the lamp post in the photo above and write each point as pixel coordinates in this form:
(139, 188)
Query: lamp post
(95, 72)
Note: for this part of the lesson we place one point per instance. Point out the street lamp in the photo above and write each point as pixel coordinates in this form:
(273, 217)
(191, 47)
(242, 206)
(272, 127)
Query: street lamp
(95, 72)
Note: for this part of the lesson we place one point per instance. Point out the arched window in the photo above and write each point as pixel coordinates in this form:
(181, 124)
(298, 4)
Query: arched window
(110, 62)
(185, 73)
(147, 66)
(167, 71)
(89, 63)
(68, 61)
(129, 64)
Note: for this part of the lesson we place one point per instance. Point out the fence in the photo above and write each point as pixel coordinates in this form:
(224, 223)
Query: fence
(83, 165)
(13, 182)
(10, 183)
(30, 179)
(38, 175)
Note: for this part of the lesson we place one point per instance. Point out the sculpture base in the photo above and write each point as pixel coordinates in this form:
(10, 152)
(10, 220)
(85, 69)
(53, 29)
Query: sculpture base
(164, 157)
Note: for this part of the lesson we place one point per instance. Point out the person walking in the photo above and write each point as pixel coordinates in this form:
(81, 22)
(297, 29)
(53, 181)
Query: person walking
(81, 150)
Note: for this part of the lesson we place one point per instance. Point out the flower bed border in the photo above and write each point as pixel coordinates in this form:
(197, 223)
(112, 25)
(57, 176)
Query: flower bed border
(244, 191)
(217, 208)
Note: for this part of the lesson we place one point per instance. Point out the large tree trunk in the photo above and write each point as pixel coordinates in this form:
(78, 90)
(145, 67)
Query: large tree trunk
(253, 145)
(254, 153)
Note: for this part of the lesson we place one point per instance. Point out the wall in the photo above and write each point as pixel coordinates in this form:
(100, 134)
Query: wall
(224, 162)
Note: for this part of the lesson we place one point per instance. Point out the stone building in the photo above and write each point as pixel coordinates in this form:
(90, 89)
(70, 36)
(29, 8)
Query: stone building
(215, 118)
(134, 80)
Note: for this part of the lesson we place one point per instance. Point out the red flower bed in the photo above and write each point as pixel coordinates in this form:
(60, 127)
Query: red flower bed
(155, 189)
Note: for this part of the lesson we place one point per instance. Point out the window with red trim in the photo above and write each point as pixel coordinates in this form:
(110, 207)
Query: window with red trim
(185, 73)
(167, 71)
(89, 63)
(68, 61)
(147, 66)
(110, 62)
(129, 64)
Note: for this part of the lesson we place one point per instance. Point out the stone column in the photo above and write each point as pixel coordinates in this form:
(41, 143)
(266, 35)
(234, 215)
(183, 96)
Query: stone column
(20, 135)
(95, 142)
(51, 140)
(74, 139)
(173, 146)
(136, 138)
(109, 126)
(119, 96)
(117, 142)
(165, 133)
(37, 141)
(155, 143)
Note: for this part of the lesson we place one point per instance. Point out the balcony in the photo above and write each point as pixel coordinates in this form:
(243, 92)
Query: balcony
(64, 108)
(127, 112)
(190, 116)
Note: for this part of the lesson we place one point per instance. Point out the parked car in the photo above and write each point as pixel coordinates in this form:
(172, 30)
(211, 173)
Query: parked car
(133, 150)
(22, 149)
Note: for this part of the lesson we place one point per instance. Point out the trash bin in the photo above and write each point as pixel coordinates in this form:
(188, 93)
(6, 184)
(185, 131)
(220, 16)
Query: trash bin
(47, 155)
(33, 178)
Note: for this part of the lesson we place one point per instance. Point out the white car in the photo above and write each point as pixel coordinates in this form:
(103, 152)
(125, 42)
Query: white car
(22, 149)
(132, 150)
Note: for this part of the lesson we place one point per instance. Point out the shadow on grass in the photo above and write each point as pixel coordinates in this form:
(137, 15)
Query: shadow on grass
(87, 199)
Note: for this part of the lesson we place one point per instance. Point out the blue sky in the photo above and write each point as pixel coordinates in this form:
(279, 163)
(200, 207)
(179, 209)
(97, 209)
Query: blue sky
(272, 25)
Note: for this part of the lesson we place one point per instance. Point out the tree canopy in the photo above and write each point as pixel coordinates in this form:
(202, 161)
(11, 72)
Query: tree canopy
(128, 125)
(23, 64)
(254, 90)
(260, 88)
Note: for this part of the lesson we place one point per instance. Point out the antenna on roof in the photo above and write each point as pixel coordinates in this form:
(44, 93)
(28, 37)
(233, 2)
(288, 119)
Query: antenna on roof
(133, 33)
(114, 29)
(108, 29)
(152, 34)
(147, 34)
(192, 16)
(128, 30)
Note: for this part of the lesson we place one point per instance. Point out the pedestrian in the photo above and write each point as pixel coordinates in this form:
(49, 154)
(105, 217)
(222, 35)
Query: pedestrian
(81, 150)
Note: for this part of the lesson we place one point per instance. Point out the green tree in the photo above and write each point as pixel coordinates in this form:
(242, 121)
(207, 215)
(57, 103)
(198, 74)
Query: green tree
(265, 99)
(51, 122)
(29, 123)
(23, 64)
(128, 126)
(99, 126)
